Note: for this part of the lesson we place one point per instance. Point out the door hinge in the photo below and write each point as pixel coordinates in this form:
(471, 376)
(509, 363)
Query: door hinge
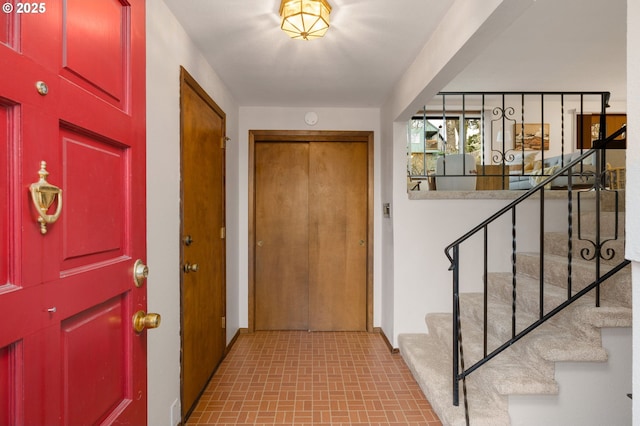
(223, 232)
(224, 322)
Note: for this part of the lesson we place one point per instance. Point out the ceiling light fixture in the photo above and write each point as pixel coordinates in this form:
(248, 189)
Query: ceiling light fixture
(305, 19)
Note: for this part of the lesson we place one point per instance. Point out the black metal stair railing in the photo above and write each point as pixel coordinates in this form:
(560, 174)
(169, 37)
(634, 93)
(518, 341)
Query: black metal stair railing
(597, 253)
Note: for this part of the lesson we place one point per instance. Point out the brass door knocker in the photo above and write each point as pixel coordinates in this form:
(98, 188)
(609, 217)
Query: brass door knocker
(43, 195)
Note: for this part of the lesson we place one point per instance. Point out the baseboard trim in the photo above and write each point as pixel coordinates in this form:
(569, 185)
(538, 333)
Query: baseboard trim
(386, 341)
(377, 330)
(235, 338)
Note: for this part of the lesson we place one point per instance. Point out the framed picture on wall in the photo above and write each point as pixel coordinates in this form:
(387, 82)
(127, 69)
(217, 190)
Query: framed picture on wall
(533, 136)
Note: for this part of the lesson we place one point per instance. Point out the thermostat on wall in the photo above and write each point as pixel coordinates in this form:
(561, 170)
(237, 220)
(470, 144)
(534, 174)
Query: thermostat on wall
(311, 118)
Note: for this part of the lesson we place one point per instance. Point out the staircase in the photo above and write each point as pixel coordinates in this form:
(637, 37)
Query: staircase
(521, 385)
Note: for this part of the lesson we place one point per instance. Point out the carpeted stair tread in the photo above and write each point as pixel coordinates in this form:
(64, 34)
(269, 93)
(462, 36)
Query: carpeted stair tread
(605, 316)
(500, 287)
(509, 372)
(617, 289)
(528, 293)
(432, 369)
(550, 342)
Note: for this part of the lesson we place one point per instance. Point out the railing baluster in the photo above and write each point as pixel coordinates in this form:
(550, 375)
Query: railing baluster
(598, 242)
(485, 277)
(456, 324)
(513, 271)
(541, 291)
(570, 231)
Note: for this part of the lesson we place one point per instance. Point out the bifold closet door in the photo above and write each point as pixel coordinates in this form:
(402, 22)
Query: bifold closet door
(282, 236)
(337, 236)
(311, 235)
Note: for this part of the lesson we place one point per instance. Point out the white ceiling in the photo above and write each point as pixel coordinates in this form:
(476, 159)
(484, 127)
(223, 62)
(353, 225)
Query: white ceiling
(554, 45)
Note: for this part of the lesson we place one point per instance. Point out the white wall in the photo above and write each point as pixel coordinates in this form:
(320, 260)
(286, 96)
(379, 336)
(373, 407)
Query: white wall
(579, 402)
(632, 225)
(260, 118)
(417, 274)
(168, 47)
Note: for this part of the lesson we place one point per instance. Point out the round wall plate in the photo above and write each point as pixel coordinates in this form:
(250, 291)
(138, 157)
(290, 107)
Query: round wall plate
(311, 118)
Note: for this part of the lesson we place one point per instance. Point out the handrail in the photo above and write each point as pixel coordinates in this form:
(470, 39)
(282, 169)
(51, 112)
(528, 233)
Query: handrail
(600, 173)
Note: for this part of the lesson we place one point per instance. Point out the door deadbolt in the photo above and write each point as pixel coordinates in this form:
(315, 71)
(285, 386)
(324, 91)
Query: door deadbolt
(42, 88)
(187, 240)
(140, 273)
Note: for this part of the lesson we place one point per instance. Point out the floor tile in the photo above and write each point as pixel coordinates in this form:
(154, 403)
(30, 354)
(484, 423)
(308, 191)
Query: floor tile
(323, 378)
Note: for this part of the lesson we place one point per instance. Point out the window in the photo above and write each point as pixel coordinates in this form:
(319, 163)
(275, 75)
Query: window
(432, 136)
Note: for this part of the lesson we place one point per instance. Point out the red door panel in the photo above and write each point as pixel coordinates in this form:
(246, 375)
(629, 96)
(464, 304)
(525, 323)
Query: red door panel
(68, 351)
(94, 181)
(94, 366)
(83, 34)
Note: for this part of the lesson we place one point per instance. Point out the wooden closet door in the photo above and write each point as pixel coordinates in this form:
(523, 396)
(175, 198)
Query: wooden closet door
(338, 236)
(282, 236)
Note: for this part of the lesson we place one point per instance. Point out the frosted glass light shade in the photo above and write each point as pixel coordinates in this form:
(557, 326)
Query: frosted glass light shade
(305, 19)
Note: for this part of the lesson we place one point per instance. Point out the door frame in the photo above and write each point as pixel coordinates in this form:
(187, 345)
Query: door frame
(257, 136)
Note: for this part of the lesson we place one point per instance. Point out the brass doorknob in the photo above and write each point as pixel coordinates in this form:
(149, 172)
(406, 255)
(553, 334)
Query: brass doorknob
(142, 321)
(190, 267)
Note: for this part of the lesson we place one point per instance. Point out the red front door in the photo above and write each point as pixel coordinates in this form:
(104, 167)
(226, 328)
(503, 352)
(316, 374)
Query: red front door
(72, 93)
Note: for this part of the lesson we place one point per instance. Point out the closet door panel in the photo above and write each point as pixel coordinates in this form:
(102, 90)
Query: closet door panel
(338, 236)
(282, 236)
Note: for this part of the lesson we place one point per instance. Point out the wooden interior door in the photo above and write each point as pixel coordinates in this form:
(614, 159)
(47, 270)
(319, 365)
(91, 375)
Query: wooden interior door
(282, 236)
(338, 236)
(203, 254)
(72, 94)
(588, 129)
(311, 233)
